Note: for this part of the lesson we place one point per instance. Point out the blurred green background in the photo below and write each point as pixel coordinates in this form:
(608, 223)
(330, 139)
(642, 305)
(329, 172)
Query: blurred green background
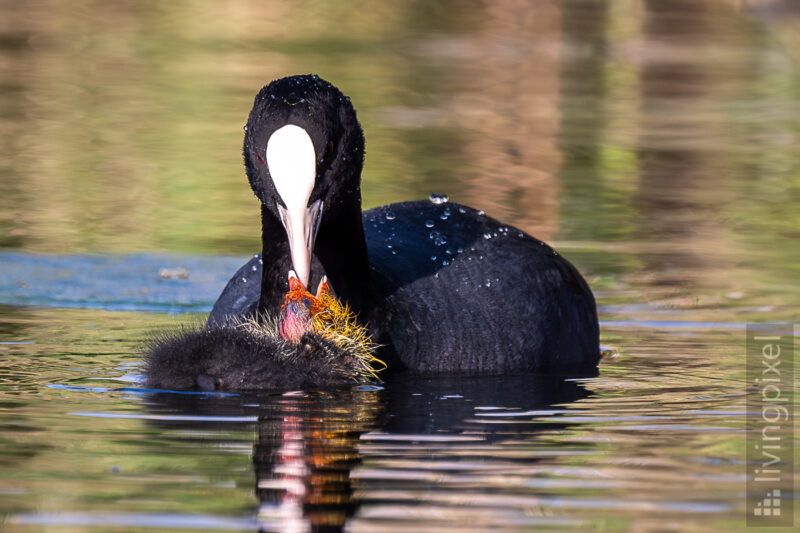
(644, 137)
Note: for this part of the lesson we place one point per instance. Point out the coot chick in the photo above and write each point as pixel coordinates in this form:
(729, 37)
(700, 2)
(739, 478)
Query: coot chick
(443, 287)
(315, 343)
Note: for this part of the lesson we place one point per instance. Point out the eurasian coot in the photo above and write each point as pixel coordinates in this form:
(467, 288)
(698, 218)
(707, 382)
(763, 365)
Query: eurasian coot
(443, 287)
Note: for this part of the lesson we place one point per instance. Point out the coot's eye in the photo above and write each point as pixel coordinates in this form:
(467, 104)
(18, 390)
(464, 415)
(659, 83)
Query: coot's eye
(328, 151)
(259, 158)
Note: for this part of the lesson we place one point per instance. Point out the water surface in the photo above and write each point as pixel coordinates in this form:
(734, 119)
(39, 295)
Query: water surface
(654, 143)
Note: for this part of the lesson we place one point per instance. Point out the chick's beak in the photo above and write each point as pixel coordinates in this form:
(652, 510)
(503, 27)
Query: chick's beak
(295, 316)
(299, 307)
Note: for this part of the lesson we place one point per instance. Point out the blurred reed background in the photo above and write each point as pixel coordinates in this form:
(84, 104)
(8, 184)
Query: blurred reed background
(652, 123)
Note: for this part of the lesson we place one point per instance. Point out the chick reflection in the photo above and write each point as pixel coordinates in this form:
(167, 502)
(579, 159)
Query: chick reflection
(305, 452)
(305, 449)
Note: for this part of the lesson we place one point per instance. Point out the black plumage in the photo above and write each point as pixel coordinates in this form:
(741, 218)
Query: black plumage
(237, 358)
(443, 287)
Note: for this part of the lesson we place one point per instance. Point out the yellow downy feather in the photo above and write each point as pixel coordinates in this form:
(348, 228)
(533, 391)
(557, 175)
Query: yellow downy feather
(337, 323)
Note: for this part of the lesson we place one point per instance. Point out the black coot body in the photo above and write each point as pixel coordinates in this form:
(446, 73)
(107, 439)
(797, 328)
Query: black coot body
(445, 288)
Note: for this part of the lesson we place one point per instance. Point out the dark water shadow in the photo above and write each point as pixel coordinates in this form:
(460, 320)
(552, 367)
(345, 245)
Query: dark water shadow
(417, 405)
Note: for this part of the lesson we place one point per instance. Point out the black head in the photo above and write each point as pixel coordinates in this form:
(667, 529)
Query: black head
(328, 117)
(307, 131)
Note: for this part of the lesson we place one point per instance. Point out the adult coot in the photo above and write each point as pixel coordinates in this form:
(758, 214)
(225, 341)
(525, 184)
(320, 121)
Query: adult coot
(442, 287)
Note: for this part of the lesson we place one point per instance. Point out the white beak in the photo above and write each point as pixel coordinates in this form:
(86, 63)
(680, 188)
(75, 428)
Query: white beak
(292, 164)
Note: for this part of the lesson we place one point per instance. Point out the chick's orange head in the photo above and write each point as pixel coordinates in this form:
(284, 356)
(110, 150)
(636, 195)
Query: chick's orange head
(296, 314)
(300, 306)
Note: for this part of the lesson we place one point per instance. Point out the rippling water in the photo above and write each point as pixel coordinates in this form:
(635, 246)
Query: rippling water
(654, 442)
(654, 143)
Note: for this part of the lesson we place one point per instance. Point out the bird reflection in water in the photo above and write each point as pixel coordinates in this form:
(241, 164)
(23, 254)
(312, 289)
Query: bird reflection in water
(306, 446)
(309, 448)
